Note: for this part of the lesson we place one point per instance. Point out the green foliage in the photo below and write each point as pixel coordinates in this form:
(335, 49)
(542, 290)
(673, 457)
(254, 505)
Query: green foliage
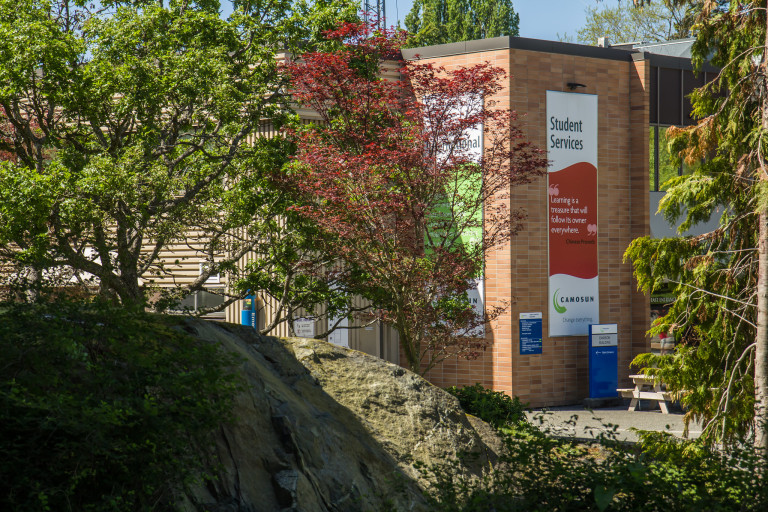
(662, 474)
(714, 276)
(711, 318)
(494, 407)
(103, 408)
(625, 22)
(449, 21)
(130, 130)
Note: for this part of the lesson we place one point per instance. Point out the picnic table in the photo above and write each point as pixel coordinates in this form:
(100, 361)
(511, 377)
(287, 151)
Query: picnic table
(647, 388)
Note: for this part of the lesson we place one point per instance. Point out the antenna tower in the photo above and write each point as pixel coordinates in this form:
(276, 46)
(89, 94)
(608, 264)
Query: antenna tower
(375, 10)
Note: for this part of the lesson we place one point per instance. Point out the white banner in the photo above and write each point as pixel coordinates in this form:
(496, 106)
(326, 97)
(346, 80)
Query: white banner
(572, 143)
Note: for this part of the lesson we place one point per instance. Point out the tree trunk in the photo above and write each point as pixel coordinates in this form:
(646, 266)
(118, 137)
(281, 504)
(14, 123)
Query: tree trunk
(761, 338)
(33, 285)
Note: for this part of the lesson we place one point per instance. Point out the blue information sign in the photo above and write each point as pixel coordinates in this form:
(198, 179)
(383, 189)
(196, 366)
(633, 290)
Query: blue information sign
(603, 360)
(530, 333)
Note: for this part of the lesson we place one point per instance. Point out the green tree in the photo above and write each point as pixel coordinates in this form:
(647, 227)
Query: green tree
(105, 408)
(448, 21)
(624, 22)
(721, 278)
(134, 128)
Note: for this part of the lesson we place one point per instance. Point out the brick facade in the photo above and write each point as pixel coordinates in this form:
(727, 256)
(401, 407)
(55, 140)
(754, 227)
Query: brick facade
(518, 272)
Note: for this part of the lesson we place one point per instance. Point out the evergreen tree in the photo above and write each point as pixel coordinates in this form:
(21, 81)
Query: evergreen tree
(721, 278)
(448, 21)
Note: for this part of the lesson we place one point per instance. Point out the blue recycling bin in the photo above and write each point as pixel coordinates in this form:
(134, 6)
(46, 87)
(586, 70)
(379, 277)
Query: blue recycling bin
(248, 314)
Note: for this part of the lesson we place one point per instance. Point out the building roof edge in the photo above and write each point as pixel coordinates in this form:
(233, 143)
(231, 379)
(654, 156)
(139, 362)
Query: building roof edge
(516, 43)
(541, 45)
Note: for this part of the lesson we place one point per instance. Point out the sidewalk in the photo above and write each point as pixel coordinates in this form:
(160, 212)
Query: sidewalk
(575, 421)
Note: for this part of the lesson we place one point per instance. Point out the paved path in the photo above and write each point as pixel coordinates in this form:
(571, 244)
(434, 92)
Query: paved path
(575, 421)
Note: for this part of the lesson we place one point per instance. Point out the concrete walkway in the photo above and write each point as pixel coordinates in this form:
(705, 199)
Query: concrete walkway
(616, 422)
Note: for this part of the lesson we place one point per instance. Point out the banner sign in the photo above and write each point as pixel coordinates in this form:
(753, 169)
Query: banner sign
(473, 145)
(530, 333)
(572, 203)
(470, 147)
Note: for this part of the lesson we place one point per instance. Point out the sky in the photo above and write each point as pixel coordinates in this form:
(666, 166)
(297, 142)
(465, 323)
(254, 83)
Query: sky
(539, 19)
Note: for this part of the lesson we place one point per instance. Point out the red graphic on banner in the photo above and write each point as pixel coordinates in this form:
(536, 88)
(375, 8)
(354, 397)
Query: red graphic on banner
(573, 221)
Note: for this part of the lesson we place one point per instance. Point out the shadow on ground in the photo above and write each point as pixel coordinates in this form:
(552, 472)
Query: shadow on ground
(578, 422)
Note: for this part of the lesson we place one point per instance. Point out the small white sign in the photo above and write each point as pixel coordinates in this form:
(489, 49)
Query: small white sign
(605, 340)
(304, 327)
(604, 329)
(530, 316)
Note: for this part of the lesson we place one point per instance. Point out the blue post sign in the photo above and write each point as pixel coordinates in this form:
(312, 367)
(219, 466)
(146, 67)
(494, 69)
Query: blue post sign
(603, 360)
(530, 333)
(248, 314)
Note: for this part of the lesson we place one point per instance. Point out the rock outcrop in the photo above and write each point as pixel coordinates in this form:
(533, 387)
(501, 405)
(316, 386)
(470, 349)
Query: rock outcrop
(323, 428)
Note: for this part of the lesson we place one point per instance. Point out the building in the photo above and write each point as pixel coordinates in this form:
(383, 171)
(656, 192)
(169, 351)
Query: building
(613, 104)
(634, 93)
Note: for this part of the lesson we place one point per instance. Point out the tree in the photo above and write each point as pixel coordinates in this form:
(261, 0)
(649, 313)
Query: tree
(448, 21)
(721, 278)
(134, 128)
(391, 177)
(624, 22)
(106, 408)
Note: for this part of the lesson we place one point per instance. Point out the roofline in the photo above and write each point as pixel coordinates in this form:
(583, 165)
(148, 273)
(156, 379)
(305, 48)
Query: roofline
(516, 43)
(666, 43)
(668, 61)
(541, 45)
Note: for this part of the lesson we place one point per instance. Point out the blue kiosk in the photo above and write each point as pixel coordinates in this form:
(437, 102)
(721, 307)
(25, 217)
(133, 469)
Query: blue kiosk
(248, 316)
(603, 360)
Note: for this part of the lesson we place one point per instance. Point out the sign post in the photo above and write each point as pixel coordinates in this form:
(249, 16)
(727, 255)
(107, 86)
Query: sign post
(603, 360)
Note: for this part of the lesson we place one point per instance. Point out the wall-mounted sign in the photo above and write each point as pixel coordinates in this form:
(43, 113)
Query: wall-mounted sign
(304, 327)
(572, 203)
(530, 333)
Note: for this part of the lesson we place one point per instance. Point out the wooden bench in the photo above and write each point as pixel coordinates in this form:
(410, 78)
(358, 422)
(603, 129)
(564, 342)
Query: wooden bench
(646, 388)
(661, 348)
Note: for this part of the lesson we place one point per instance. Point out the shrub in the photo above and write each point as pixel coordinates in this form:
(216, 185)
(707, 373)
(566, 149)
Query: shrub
(661, 474)
(103, 409)
(493, 407)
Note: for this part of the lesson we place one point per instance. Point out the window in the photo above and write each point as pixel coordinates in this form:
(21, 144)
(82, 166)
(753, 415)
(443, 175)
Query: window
(660, 165)
(666, 168)
(214, 278)
(202, 299)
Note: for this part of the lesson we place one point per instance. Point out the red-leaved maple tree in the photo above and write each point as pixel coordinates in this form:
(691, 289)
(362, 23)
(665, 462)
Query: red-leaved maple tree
(394, 176)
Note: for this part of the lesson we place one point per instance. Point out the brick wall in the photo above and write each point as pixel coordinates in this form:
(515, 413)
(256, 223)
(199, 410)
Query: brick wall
(518, 272)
